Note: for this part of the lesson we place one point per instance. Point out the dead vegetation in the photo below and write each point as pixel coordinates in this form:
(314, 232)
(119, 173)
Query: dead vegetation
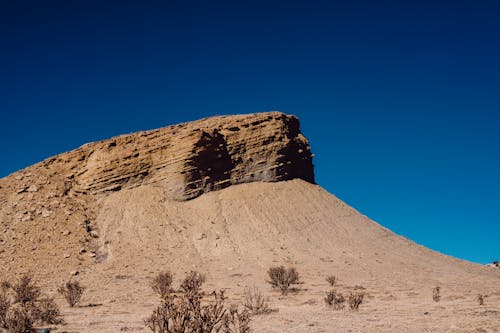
(354, 300)
(436, 294)
(162, 284)
(22, 306)
(335, 299)
(331, 279)
(282, 278)
(192, 282)
(72, 292)
(254, 302)
(187, 312)
(480, 299)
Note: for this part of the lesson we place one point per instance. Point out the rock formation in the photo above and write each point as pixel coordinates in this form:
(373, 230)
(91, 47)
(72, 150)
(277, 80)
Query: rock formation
(193, 158)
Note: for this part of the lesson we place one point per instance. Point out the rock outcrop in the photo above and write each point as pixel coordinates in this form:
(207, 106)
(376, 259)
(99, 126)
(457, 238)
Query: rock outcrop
(193, 158)
(50, 208)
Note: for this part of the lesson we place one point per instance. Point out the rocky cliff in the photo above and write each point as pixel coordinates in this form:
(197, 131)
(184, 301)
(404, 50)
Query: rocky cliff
(192, 158)
(48, 210)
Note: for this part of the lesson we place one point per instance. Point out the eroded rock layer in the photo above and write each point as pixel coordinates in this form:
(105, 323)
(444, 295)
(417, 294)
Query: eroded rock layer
(192, 158)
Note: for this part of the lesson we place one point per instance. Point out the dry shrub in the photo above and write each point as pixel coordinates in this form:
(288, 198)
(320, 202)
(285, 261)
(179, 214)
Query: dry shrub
(235, 321)
(480, 299)
(72, 292)
(22, 307)
(25, 290)
(192, 282)
(335, 300)
(331, 279)
(436, 294)
(187, 313)
(254, 302)
(49, 311)
(354, 300)
(281, 278)
(162, 284)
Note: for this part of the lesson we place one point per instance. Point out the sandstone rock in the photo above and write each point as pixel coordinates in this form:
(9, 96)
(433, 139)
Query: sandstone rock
(193, 158)
(46, 213)
(32, 188)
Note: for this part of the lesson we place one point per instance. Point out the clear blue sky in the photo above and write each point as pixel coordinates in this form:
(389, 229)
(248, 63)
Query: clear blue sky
(400, 99)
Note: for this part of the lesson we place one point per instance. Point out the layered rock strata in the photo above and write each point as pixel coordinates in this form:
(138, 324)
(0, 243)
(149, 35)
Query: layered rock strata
(193, 158)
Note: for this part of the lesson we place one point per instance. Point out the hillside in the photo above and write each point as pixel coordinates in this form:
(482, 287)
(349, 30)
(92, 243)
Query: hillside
(230, 197)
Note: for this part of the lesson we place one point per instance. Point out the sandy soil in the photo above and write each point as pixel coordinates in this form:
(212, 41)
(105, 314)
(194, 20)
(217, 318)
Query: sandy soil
(234, 235)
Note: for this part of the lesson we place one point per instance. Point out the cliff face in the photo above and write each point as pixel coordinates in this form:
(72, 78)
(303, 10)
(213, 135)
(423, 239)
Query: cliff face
(193, 158)
(49, 211)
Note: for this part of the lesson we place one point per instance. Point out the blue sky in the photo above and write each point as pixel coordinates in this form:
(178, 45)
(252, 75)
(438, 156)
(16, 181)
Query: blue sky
(400, 99)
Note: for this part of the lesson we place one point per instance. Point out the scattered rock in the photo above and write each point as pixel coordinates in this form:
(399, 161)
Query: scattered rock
(46, 213)
(66, 232)
(93, 234)
(74, 273)
(67, 255)
(32, 188)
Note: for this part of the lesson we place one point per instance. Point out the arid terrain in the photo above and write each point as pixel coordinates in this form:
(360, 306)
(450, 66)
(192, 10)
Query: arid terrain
(229, 197)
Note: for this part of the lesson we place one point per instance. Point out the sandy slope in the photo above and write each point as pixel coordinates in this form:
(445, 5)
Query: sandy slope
(235, 234)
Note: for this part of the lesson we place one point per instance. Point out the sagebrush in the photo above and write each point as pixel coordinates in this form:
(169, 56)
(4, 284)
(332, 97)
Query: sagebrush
(254, 302)
(72, 292)
(282, 278)
(335, 300)
(162, 284)
(186, 312)
(354, 300)
(22, 306)
(192, 282)
(331, 279)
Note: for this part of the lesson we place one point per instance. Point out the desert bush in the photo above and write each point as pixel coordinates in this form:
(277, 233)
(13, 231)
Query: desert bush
(331, 279)
(254, 302)
(480, 299)
(22, 307)
(185, 312)
(25, 290)
(436, 294)
(162, 284)
(281, 278)
(49, 311)
(72, 292)
(235, 321)
(192, 282)
(335, 300)
(354, 300)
